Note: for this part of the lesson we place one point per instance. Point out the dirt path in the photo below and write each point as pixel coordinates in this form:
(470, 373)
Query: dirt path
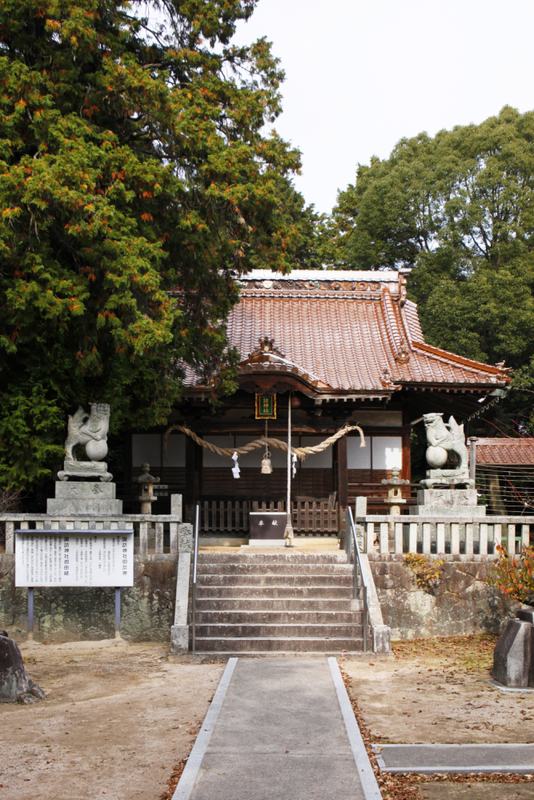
(117, 719)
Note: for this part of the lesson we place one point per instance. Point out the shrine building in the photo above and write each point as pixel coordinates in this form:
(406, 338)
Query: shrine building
(343, 348)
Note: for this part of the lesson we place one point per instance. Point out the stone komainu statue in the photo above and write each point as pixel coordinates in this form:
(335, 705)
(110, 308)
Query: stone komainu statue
(90, 430)
(445, 438)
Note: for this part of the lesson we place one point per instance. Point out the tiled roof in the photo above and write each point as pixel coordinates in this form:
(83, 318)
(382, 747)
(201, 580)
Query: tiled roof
(505, 451)
(347, 331)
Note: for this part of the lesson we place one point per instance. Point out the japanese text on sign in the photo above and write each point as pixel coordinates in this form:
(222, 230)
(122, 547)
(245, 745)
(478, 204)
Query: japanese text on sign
(47, 559)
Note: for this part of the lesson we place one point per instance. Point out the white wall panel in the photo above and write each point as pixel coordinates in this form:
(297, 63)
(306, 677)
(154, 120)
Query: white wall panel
(387, 452)
(358, 457)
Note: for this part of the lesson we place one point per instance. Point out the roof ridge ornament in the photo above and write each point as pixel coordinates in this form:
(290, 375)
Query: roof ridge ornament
(388, 380)
(403, 354)
(267, 345)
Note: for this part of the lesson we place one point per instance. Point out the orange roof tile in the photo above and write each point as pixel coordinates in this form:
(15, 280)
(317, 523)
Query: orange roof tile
(352, 332)
(505, 451)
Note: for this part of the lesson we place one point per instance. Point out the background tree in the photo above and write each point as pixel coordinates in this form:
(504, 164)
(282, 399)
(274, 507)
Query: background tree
(132, 163)
(458, 209)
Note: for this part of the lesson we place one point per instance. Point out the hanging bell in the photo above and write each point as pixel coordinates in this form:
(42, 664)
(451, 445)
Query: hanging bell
(266, 466)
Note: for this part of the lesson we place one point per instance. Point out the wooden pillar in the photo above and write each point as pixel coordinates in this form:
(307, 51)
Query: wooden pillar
(406, 458)
(406, 447)
(342, 486)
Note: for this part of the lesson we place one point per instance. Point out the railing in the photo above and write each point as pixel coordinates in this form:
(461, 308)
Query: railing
(351, 543)
(194, 584)
(317, 516)
(153, 533)
(450, 535)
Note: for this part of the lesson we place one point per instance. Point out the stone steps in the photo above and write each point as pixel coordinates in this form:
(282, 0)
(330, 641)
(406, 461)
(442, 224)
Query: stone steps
(279, 644)
(274, 579)
(264, 616)
(277, 631)
(289, 557)
(270, 568)
(247, 605)
(276, 603)
(312, 592)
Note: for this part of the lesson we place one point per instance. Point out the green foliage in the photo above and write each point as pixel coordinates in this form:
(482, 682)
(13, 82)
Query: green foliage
(458, 209)
(514, 576)
(427, 571)
(132, 163)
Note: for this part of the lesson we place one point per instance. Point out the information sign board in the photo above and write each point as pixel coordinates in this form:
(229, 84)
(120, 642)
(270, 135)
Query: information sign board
(45, 558)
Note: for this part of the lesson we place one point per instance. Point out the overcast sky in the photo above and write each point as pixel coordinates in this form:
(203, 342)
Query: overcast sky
(360, 75)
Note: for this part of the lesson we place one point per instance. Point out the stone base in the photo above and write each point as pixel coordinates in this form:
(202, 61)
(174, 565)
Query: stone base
(267, 543)
(84, 497)
(448, 503)
(84, 469)
(381, 639)
(179, 638)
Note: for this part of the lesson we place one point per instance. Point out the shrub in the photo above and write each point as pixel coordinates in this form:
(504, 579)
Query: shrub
(514, 576)
(426, 570)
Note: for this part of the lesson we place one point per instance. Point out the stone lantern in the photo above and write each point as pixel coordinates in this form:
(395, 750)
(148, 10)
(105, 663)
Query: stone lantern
(147, 481)
(394, 499)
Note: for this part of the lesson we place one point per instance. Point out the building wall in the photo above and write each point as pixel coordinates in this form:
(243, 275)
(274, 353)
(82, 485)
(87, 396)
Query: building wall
(316, 476)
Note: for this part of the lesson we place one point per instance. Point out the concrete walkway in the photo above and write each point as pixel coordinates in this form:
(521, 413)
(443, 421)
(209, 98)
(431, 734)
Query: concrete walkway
(465, 758)
(279, 728)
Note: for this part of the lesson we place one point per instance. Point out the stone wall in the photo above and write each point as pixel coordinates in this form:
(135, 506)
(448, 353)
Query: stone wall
(462, 603)
(147, 609)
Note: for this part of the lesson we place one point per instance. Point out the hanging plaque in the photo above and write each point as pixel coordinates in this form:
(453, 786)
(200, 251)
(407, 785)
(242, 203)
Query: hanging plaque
(265, 406)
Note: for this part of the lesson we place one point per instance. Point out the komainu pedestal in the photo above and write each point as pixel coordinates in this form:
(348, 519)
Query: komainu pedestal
(448, 502)
(84, 497)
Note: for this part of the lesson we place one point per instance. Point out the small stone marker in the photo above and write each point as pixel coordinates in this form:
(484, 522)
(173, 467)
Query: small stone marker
(512, 656)
(15, 685)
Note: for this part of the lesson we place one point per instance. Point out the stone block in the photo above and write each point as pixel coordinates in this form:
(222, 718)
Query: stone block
(512, 654)
(176, 505)
(361, 507)
(82, 498)
(179, 638)
(382, 639)
(85, 490)
(60, 507)
(447, 503)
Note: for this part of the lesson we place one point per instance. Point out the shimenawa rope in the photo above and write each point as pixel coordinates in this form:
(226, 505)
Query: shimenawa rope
(300, 452)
